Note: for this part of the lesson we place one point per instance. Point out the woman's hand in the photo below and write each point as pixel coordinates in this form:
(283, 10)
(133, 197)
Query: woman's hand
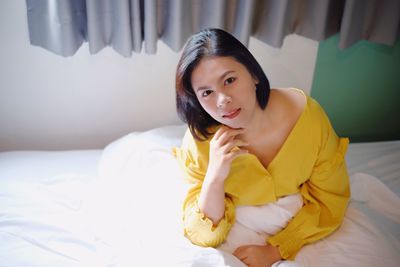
(223, 150)
(256, 255)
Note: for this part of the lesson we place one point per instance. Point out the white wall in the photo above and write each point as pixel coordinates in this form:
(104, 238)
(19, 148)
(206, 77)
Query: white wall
(87, 101)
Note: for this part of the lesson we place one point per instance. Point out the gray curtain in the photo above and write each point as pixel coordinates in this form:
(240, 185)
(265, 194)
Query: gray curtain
(129, 26)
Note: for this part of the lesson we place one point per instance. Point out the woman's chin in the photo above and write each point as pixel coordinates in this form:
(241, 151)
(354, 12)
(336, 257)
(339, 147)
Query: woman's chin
(233, 125)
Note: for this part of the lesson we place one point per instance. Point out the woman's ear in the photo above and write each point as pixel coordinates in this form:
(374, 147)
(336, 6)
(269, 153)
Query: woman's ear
(255, 79)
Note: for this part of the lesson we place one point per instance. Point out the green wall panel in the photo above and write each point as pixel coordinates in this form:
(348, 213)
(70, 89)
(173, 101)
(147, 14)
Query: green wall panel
(359, 88)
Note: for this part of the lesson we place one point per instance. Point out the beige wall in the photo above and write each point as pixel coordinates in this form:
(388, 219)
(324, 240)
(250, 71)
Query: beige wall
(87, 101)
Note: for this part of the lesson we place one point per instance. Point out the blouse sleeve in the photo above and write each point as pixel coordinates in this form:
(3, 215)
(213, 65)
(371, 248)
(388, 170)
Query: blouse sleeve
(198, 228)
(326, 195)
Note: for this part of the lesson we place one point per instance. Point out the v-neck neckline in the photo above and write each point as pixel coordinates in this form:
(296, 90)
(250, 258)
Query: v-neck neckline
(284, 144)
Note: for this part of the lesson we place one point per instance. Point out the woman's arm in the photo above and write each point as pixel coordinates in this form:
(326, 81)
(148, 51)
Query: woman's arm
(212, 199)
(208, 212)
(326, 195)
(221, 155)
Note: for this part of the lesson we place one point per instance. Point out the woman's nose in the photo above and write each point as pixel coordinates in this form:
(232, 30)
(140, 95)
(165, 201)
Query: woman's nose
(223, 100)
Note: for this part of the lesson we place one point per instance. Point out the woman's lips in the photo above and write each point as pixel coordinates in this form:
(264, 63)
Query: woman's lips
(232, 114)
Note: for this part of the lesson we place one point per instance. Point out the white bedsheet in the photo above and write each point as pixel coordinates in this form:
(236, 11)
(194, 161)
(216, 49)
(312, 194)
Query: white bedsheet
(379, 159)
(41, 195)
(64, 214)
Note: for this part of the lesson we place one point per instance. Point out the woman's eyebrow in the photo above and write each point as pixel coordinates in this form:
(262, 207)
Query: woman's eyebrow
(226, 73)
(219, 79)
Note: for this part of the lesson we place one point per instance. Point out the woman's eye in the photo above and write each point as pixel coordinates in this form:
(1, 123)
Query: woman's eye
(205, 93)
(229, 80)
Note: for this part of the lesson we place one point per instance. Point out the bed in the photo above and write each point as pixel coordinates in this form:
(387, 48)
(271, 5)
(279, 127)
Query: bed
(121, 206)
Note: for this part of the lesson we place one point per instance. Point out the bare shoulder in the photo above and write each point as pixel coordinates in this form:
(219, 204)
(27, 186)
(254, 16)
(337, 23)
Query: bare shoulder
(290, 101)
(291, 98)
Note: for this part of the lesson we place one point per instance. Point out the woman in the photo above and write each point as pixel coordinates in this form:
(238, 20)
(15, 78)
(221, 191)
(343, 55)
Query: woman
(251, 145)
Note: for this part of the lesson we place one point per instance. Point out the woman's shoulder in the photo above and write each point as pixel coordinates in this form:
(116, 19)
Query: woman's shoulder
(288, 104)
(306, 114)
(293, 97)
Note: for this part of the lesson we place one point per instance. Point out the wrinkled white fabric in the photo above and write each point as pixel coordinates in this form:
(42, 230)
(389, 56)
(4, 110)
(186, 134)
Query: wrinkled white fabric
(254, 224)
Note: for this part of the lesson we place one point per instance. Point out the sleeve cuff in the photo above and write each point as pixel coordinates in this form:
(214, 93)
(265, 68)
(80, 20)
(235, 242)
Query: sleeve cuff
(288, 243)
(200, 230)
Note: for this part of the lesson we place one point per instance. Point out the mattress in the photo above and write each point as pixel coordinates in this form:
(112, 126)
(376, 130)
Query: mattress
(102, 208)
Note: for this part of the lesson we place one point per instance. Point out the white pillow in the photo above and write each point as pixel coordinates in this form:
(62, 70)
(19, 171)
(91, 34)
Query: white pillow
(254, 224)
(116, 154)
(137, 199)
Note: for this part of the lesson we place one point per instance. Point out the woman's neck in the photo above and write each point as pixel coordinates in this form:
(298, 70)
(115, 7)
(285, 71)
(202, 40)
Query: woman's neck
(263, 121)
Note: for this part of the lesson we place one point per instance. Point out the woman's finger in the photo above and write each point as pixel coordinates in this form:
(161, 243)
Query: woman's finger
(228, 135)
(241, 253)
(220, 131)
(225, 132)
(235, 144)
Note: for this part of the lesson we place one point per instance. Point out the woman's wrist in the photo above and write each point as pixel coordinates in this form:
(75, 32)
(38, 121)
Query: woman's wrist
(215, 180)
(212, 199)
(275, 253)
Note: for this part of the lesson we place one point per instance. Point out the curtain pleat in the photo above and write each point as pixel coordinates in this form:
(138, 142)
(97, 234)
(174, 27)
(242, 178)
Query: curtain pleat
(52, 28)
(311, 19)
(243, 20)
(127, 25)
(373, 20)
(211, 14)
(121, 38)
(273, 25)
(176, 24)
(114, 23)
(99, 19)
(136, 25)
(150, 26)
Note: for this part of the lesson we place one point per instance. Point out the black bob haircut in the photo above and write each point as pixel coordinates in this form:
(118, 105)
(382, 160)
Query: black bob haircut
(211, 43)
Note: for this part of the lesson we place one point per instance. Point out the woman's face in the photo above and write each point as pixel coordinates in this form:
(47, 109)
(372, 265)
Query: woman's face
(226, 90)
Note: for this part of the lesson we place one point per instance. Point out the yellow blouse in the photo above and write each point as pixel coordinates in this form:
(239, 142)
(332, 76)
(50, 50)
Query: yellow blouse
(311, 161)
